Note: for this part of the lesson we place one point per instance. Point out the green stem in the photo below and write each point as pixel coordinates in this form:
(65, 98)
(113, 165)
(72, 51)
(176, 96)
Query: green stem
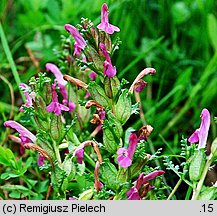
(89, 159)
(188, 194)
(203, 176)
(174, 189)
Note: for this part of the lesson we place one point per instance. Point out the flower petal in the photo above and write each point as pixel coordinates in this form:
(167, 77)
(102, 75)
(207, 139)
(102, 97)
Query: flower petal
(124, 161)
(194, 138)
(21, 130)
(152, 175)
(204, 128)
(56, 72)
(121, 151)
(132, 145)
(133, 194)
(104, 25)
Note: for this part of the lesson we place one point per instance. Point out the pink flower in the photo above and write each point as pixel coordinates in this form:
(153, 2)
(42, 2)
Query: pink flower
(55, 106)
(140, 85)
(123, 159)
(92, 75)
(104, 25)
(80, 43)
(24, 134)
(201, 134)
(109, 70)
(25, 88)
(87, 95)
(79, 153)
(134, 192)
(61, 84)
(57, 73)
(41, 160)
(125, 156)
(72, 198)
(71, 106)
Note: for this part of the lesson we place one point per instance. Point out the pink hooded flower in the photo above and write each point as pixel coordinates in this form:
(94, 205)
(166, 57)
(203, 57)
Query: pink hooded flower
(55, 106)
(104, 25)
(126, 155)
(92, 75)
(80, 43)
(57, 73)
(79, 153)
(61, 84)
(140, 85)
(201, 134)
(25, 88)
(24, 134)
(134, 192)
(41, 160)
(109, 70)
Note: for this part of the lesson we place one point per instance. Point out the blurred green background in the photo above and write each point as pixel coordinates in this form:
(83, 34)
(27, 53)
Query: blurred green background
(177, 38)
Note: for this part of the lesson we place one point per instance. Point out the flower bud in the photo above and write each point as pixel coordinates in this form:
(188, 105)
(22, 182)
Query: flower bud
(123, 107)
(43, 143)
(93, 57)
(214, 148)
(106, 39)
(86, 195)
(56, 128)
(137, 167)
(124, 175)
(40, 107)
(47, 92)
(98, 94)
(42, 124)
(197, 165)
(111, 86)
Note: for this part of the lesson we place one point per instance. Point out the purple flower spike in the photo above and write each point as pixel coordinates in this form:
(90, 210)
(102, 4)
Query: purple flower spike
(79, 153)
(201, 134)
(41, 160)
(55, 106)
(109, 70)
(25, 89)
(104, 25)
(80, 43)
(25, 135)
(57, 73)
(125, 156)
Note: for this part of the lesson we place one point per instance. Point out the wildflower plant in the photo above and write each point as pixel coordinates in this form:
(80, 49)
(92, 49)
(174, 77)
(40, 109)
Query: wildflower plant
(79, 109)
